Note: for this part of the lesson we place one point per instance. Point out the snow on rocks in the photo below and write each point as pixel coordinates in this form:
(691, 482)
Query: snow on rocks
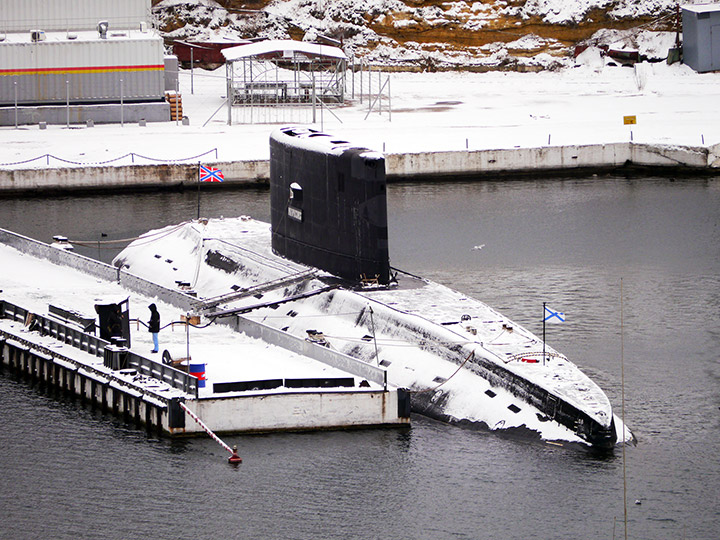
(451, 35)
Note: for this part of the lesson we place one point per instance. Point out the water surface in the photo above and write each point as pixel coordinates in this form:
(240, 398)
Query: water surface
(71, 472)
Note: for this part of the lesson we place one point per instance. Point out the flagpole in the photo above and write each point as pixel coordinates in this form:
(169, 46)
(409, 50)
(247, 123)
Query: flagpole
(198, 186)
(622, 412)
(544, 332)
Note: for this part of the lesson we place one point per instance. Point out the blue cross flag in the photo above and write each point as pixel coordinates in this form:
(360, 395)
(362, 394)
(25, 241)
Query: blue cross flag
(553, 316)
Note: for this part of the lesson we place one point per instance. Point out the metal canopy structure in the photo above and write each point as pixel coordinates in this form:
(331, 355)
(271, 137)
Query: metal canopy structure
(76, 61)
(281, 72)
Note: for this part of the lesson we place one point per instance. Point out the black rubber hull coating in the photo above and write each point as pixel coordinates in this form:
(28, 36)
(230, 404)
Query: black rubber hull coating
(328, 204)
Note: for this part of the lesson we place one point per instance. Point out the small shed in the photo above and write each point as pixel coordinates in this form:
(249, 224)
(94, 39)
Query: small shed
(701, 36)
(203, 53)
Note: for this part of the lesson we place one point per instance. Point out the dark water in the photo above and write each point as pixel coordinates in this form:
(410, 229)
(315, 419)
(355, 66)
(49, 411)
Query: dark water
(69, 472)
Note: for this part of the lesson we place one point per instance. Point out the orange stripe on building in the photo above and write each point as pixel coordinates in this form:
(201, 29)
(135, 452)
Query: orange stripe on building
(79, 70)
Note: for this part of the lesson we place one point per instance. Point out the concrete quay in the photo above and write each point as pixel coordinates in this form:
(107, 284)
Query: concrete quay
(81, 374)
(539, 161)
(156, 407)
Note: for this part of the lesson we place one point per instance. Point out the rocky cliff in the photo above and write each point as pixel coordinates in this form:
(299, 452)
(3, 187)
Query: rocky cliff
(428, 35)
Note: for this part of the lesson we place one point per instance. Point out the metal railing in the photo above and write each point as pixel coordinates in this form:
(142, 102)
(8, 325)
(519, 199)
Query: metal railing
(96, 346)
(317, 352)
(55, 329)
(162, 372)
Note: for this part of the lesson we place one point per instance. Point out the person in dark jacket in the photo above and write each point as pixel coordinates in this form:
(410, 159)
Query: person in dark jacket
(154, 326)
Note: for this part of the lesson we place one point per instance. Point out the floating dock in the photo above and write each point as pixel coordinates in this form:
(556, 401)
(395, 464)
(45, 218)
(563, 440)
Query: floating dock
(277, 383)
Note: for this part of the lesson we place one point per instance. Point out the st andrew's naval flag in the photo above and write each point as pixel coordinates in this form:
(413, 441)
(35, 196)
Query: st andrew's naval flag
(210, 174)
(552, 316)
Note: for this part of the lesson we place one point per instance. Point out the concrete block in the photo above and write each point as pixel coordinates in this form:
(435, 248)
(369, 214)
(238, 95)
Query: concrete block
(101, 113)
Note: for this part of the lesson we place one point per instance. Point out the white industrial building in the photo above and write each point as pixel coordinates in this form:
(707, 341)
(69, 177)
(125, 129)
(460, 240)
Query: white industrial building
(74, 61)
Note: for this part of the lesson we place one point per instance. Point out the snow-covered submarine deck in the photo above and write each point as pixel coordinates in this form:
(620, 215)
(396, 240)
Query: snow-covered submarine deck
(463, 361)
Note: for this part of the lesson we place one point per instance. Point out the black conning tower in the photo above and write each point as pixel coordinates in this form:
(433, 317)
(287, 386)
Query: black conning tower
(328, 204)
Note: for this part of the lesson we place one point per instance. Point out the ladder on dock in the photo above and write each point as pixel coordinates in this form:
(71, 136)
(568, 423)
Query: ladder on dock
(175, 101)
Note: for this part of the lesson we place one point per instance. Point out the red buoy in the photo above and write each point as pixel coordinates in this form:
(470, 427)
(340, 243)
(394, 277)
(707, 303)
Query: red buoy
(234, 458)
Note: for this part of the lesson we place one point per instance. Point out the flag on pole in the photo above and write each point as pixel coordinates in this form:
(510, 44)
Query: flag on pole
(210, 174)
(552, 316)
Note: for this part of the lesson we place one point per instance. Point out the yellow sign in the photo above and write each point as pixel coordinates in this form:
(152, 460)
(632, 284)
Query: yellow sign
(629, 120)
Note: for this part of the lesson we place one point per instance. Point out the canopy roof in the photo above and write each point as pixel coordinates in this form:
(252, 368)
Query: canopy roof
(702, 8)
(281, 48)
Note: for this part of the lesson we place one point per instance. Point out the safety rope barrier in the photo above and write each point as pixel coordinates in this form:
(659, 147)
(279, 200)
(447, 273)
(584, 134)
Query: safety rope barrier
(131, 155)
(399, 342)
(147, 237)
(314, 316)
(537, 354)
(138, 322)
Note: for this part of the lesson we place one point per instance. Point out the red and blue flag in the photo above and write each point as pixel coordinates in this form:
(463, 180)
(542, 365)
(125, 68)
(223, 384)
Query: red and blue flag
(210, 174)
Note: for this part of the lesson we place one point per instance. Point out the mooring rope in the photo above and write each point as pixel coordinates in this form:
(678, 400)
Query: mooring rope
(469, 356)
(207, 429)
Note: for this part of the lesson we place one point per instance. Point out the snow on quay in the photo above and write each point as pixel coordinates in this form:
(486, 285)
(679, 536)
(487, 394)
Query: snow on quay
(228, 356)
(431, 339)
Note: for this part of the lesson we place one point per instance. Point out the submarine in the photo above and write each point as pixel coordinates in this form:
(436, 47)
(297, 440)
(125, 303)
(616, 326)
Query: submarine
(321, 271)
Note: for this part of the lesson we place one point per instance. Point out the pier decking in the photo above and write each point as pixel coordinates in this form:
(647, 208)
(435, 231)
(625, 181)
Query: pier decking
(252, 385)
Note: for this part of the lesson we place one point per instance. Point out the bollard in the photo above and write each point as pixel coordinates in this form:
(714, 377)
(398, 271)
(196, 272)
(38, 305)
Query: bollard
(185, 121)
(90, 123)
(43, 125)
(142, 122)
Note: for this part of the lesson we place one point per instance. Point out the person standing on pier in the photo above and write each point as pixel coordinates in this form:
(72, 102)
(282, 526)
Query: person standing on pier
(154, 326)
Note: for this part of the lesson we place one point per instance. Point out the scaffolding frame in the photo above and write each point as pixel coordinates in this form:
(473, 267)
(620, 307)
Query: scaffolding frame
(283, 79)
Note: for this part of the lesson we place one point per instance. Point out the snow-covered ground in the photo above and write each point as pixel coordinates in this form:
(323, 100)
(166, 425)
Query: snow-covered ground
(582, 104)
